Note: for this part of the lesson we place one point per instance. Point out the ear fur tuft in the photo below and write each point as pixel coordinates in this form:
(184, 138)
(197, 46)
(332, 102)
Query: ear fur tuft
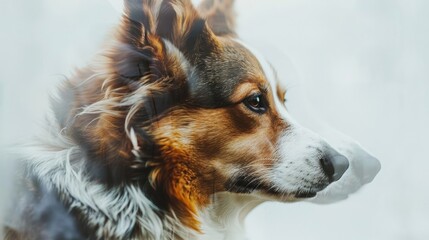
(176, 21)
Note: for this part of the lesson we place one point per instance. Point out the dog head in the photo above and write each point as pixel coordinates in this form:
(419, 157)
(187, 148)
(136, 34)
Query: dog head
(186, 110)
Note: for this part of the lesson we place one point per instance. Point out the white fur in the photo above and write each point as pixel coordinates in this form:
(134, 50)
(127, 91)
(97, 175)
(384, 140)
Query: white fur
(58, 162)
(224, 218)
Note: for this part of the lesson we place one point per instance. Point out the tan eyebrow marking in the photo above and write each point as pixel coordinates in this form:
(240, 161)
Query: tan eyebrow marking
(244, 88)
(265, 89)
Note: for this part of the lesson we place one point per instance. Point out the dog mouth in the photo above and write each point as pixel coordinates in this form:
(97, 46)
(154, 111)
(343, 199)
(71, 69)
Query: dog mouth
(295, 194)
(248, 185)
(300, 193)
(305, 194)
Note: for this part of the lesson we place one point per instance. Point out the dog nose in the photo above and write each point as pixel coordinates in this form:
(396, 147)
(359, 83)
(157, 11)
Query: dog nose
(334, 164)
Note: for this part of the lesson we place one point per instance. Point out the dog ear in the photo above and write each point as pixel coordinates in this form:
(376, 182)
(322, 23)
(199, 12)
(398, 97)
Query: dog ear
(176, 21)
(220, 16)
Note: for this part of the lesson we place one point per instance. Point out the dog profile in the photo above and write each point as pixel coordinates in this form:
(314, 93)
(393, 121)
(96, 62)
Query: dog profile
(176, 131)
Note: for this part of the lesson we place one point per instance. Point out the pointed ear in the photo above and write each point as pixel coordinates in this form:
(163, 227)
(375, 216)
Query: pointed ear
(174, 20)
(152, 31)
(220, 16)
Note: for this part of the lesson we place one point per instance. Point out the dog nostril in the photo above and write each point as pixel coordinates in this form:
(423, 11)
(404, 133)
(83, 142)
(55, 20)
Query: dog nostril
(334, 165)
(341, 164)
(327, 166)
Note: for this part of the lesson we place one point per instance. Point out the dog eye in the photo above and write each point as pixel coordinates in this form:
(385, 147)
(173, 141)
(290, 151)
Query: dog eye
(256, 103)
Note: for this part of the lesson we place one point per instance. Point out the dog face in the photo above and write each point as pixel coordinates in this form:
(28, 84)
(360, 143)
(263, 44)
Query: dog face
(192, 111)
(238, 135)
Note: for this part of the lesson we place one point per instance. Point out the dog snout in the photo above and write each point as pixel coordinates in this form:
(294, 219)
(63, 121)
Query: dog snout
(334, 164)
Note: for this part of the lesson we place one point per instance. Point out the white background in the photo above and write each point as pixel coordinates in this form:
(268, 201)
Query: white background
(364, 65)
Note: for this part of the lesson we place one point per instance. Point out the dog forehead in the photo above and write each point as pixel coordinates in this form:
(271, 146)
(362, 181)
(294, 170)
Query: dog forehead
(266, 68)
(217, 76)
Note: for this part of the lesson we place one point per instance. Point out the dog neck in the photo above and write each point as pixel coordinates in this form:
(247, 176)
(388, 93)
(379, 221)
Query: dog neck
(224, 218)
(57, 162)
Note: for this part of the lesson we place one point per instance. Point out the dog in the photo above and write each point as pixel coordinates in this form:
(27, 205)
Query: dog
(176, 131)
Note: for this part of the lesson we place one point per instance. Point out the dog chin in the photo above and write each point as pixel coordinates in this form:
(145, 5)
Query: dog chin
(290, 196)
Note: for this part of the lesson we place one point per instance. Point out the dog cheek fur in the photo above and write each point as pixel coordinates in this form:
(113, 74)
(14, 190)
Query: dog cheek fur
(187, 176)
(176, 181)
(180, 177)
(191, 171)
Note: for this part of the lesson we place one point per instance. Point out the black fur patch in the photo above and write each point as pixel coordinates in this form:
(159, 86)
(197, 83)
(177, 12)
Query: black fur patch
(243, 183)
